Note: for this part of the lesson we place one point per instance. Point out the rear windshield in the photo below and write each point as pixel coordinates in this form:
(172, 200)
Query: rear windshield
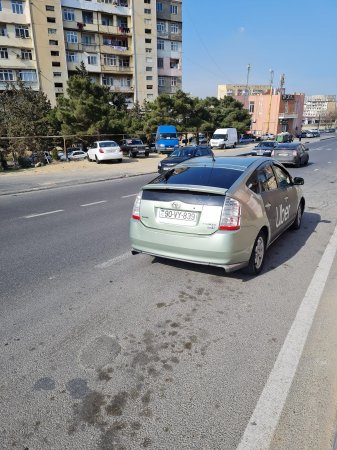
(134, 141)
(199, 176)
(193, 198)
(107, 144)
(168, 136)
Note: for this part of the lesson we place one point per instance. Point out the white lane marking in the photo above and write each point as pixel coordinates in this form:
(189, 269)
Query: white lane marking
(131, 195)
(263, 422)
(42, 214)
(316, 170)
(329, 162)
(113, 261)
(94, 203)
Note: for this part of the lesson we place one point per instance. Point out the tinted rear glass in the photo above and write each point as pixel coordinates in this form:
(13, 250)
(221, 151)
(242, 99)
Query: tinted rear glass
(107, 144)
(193, 198)
(200, 176)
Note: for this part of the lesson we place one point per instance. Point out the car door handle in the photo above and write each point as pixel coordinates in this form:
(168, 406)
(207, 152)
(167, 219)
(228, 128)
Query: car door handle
(267, 205)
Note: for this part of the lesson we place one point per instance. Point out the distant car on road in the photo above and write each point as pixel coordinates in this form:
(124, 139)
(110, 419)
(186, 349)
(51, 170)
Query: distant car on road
(293, 153)
(183, 154)
(246, 139)
(222, 212)
(134, 147)
(268, 136)
(105, 151)
(264, 148)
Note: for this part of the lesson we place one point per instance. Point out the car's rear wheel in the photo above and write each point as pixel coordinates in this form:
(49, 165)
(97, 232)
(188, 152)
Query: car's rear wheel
(298, 220)
(97, 160)
(146, 155)
(234, 145)
(256, 260)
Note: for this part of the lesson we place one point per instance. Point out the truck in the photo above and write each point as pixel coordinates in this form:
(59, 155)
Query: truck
(166, 139)
(224, 138)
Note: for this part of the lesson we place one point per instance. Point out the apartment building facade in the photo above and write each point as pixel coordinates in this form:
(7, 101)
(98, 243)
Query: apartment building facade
(318, 106)
(42, 43)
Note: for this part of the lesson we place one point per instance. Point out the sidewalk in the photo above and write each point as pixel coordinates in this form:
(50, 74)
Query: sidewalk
(73, 173)
(83, 172)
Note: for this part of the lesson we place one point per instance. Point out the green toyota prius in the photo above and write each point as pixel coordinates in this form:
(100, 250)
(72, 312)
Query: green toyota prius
(223, 211)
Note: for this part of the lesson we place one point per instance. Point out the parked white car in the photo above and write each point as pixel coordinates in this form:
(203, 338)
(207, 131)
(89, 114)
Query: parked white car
(105, 151)
(77, 155)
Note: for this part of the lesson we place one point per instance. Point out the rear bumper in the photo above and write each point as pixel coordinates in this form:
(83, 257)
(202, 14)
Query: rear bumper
(109, 156)
(226, 249)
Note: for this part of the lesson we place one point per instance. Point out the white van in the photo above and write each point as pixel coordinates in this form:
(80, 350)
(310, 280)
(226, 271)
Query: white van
(224, 138)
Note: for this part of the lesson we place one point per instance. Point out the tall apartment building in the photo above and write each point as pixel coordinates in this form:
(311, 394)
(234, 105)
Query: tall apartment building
(132, 46)
(317, 106)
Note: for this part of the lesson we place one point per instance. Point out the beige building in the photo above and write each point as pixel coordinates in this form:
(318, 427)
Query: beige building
(42, 43)
(241, 89)
(318, 106)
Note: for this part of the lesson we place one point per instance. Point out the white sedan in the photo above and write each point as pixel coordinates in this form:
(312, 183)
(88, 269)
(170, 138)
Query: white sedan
(105, 151)
(77, 155)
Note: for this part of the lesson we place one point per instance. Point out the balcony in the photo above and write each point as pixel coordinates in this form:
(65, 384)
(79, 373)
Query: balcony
(113, 30)
(288, 116)
(116, 50)
(30, 84)
(117, 69)
(122, 89)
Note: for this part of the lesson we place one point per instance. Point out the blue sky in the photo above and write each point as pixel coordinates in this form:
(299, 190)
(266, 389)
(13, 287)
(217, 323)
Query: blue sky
(294, 37)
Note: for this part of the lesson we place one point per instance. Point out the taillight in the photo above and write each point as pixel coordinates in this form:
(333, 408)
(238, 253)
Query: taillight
(294, 153)
(101, 150)
(230, 215)
(136, 207)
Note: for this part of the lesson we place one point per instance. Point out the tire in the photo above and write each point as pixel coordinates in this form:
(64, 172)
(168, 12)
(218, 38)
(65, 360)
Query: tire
(130, 154)
(256, 261)
(120, 160)
(146, 155)
(298, 219)
(224, 147)
(234, 145)
(97, 160)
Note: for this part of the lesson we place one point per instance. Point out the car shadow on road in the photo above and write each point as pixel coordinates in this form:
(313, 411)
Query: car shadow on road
(281, 251)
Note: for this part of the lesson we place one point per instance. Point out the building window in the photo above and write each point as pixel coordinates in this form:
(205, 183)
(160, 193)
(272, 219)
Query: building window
(108, 81)
(50, 8)
(56, 64)
(51, 20)
(58, 85)
(71, 37)
(160, 27)
(17, 6)
(0, 6)
(147, 11)
(148, 50)
(107, 20)
(148, 41)
(3, 30)
(149, 95)
(52, 30)
(3, 53)
(87, 17)
(148, 69)
(147, 30)
(54, 53)
(148, 60)
(71, 57)
(161, 81)
(57, 74)
(251, 107)
(53, 42)
(174, 63)
(174, 81)
(88, 39)
(147, 21)
(110, 60)
(92, 60)
(27, 75)
(147, 1)
(149, 77)
(159, 7)
(174, 28)
(124, 62)
(125, 82)
(160, 63)
(174, 46)
(68, 15)
(149, 86)
(26, 54)
(21, 31)
(6, 75)
(174, 9)
(160, 44)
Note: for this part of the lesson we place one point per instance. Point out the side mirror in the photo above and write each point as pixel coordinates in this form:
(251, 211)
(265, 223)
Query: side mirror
(298, 180)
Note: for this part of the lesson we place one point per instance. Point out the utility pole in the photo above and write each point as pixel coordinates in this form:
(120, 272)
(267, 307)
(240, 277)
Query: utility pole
(247, 84)
(270, 97)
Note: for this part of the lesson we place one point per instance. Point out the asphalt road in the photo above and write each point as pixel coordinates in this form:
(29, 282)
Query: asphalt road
(103, 350)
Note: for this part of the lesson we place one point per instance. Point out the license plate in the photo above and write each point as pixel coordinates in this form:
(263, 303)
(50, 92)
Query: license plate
(168, 215)
(283, 154)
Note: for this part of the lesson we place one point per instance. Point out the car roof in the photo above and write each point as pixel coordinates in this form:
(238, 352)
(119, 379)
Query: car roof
(233, 162)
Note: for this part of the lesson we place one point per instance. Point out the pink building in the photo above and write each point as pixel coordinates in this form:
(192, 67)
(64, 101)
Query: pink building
(274, 113)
